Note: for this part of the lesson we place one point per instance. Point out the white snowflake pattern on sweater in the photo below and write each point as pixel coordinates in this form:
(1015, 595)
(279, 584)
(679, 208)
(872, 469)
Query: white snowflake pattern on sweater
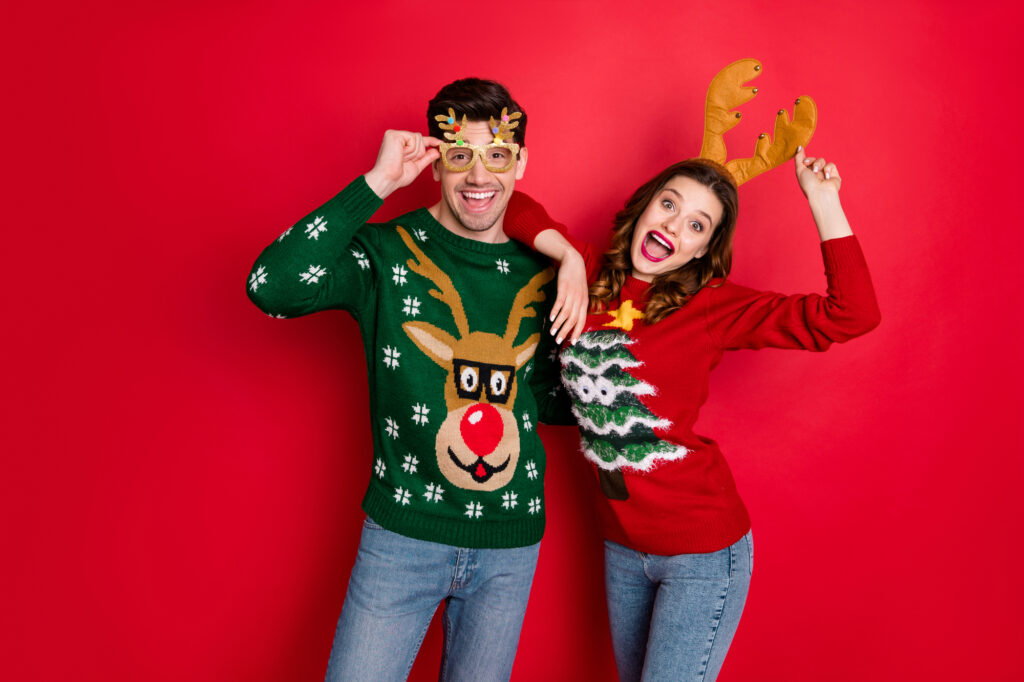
(257, 278)
(435, 493)
(313, 275)
(399, 276)
(316, 228)
(364, 262)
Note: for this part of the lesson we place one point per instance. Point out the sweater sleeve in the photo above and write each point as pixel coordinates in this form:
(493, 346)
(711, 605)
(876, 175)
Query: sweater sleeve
(553, 403)
(739, 317)
(525, 218)
(322, 261)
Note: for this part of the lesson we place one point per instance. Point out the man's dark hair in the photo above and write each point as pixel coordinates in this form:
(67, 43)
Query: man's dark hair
(478, 99)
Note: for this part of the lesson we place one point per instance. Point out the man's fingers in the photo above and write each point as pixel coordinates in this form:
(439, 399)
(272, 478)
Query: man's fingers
(412, 146)
(428, 158)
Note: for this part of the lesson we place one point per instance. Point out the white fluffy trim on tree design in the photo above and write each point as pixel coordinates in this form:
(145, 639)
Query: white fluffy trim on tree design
(669, 452)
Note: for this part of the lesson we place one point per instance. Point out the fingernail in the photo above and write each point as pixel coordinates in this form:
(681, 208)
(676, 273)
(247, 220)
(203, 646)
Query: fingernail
(826, 175)
(799, 147)
(559, 339)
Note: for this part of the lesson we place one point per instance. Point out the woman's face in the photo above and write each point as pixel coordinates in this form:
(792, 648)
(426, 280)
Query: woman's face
(674, 228)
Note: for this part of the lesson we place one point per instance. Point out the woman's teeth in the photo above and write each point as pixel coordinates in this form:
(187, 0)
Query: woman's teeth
(658, 238)
(657, 248)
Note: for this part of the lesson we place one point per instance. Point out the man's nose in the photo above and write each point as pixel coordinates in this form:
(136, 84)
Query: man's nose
(478, 174)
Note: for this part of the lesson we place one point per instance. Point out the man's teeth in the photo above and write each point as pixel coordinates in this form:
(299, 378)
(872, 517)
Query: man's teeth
(478, 195)
(662, 241)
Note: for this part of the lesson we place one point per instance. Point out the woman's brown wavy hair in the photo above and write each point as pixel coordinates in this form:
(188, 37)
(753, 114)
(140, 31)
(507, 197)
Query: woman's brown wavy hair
(670, 291)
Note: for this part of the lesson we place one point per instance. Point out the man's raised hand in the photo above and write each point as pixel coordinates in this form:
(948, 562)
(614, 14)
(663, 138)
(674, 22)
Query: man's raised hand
(402, 157)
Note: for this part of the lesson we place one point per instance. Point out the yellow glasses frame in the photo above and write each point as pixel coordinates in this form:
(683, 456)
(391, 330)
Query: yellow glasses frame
(479, 153)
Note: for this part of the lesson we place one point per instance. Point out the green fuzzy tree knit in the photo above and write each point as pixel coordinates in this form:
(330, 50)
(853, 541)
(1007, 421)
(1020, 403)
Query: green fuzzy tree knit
(333, 259)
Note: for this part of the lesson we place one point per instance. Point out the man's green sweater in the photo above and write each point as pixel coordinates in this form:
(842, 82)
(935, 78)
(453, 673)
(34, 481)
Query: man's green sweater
(460, 366)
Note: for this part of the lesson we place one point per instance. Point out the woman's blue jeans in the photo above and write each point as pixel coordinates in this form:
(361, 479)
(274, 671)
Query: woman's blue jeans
(673, 617)
(396, 586)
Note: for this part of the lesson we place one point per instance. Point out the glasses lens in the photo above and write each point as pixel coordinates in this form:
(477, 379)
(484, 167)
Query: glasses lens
(459, 157)
(498, 158)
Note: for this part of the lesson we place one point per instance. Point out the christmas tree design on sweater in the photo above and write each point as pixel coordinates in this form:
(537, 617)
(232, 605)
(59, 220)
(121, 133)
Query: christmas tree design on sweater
(616, 428)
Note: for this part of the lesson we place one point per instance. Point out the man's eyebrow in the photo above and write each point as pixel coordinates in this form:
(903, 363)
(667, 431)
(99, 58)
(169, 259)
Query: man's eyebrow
(703, 213)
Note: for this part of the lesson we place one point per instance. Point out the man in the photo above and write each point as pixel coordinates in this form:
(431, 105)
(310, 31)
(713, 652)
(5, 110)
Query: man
(451, 319)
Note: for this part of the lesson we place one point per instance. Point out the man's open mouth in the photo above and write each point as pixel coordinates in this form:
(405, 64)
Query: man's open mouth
(478, 200)
(481, 471)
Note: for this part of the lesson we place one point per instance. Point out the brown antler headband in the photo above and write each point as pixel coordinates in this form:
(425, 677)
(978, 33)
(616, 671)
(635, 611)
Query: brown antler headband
(726, 92)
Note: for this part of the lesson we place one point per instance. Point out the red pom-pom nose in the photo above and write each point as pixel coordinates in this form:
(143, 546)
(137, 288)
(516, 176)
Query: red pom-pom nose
(481, 429)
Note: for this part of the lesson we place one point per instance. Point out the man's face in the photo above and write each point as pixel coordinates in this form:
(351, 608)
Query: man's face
(473, 202)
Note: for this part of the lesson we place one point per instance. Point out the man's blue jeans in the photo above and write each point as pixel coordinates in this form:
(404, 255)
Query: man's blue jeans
(674, 617)
(396, 585)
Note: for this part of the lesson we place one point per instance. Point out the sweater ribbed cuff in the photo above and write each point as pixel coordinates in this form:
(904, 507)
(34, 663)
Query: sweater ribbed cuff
(357, 201)
(842, 253)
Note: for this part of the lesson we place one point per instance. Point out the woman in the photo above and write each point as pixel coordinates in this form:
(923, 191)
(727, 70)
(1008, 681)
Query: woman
(678, 552)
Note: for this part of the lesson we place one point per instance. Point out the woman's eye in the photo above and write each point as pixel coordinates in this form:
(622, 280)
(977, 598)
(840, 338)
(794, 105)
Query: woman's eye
(697, 227)
(667, 205)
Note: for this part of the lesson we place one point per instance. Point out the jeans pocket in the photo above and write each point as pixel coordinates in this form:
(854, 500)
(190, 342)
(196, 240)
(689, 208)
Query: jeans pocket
(371, 524)
(750, 548)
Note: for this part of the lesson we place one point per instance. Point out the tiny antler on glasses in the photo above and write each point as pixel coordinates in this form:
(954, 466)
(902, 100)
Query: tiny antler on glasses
(502, 129)
(726, 92)
(447, 123)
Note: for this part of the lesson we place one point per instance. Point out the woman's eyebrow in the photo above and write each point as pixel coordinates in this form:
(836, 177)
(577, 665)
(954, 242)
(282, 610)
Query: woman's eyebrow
(703, 213)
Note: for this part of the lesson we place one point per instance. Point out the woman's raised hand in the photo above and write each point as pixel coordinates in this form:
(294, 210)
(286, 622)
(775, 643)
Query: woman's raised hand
(816, 175)
(819, 180)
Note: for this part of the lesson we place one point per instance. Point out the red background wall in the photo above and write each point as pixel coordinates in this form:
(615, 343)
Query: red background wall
(182, 475)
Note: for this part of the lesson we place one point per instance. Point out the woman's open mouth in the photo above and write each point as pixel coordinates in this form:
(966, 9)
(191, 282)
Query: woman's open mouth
(656, 247)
